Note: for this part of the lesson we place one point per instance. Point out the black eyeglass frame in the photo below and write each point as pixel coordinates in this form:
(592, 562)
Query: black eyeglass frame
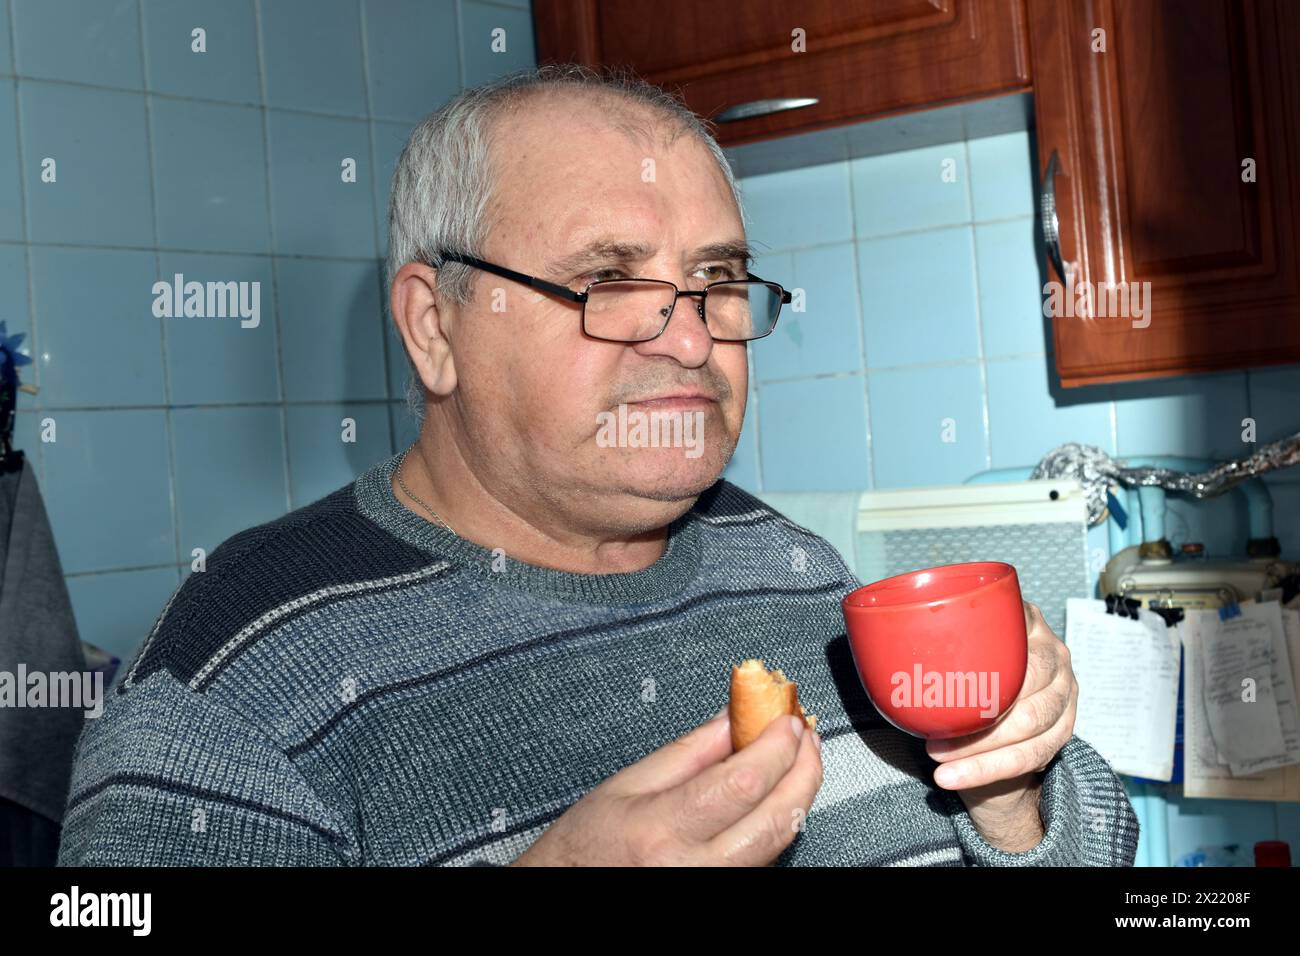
(581, 297)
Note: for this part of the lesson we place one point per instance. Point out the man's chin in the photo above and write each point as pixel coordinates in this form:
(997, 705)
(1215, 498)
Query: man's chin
(677, 480)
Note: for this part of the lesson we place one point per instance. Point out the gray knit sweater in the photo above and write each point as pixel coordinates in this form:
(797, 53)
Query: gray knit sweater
(351, 684)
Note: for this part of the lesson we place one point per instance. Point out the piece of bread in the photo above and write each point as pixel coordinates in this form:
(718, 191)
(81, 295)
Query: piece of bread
(757, 699)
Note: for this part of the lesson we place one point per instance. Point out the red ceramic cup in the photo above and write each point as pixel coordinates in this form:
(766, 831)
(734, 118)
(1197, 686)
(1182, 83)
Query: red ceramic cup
(940, 652)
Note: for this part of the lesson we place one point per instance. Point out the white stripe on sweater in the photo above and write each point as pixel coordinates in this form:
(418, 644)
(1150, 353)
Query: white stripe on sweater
(307, 600)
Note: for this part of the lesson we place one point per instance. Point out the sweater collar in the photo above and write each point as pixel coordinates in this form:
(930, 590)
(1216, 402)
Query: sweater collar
(675, 568)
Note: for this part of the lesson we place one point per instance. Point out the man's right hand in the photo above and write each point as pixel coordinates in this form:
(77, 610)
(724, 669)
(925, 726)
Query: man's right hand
(693, 802)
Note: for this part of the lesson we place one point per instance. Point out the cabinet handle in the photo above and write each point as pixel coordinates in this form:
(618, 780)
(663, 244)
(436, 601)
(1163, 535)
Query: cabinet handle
(1051, 223)
(764, 107)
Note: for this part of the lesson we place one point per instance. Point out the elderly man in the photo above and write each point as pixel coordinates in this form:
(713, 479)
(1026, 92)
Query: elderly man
(509, 643)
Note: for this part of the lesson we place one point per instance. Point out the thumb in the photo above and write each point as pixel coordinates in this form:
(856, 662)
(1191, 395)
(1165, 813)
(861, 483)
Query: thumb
(681, 759)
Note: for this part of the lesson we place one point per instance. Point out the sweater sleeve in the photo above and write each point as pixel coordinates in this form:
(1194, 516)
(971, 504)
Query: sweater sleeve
(1086, 814)
(167, 776)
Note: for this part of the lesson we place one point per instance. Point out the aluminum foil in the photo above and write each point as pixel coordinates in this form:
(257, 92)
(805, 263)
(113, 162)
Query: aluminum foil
(1097, 471)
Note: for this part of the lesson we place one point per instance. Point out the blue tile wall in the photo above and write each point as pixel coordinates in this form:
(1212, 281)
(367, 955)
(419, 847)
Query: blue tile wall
(413, 54)
(95, 146)
(226, 66)
(312, 56)
(493, 40)
(11, 207)
(99, 343)
(223, 165)
(911, 190)
(209, 172)
(107, 489)
(220, 361)
(79, 41)
(110, 606)
(6, 56)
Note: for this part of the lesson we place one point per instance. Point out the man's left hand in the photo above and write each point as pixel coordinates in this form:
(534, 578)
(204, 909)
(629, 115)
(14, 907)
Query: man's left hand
(998, 772)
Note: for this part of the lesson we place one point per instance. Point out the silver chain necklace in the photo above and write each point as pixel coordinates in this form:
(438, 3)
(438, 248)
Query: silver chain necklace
(416, 498)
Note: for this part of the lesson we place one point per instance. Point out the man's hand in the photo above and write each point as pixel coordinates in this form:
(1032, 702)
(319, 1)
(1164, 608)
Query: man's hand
(998, 771)
(693, 802)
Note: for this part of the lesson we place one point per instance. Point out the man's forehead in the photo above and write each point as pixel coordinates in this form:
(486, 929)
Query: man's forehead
(610, 249)
(587, 199)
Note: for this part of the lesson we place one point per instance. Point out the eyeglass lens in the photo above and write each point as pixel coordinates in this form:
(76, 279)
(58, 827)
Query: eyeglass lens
(634, 310)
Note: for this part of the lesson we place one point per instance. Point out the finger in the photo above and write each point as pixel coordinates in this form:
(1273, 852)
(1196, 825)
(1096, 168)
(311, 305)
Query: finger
(678, 760)
(1009, 761)
(1029, 717)
(1047, 657)
(761, 835)
(1034, 619)
(1047, 651)
(703, 807)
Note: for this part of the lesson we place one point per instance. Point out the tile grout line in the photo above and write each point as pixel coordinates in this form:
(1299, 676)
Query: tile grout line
(275, 271)
(979, 308)
(332, 258)
(26, 228)
(180, 250)
(215, 406)
(460, 44)
(168, 421)
(207, 100)
(862, 330)
(374, 216)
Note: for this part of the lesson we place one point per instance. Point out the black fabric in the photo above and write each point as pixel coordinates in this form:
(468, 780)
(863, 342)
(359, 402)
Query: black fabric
(26, 837)
(38, 633)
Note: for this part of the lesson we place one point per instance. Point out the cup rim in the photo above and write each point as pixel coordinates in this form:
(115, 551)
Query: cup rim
(848, 602)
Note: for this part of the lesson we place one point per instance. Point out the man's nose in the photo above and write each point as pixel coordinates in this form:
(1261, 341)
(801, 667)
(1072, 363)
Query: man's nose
(686, 337)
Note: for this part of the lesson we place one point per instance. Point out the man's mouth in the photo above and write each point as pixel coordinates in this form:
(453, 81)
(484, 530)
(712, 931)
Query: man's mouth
(680, 400)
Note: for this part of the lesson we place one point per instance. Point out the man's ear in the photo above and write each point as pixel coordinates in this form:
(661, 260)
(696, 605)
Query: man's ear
(423, 326)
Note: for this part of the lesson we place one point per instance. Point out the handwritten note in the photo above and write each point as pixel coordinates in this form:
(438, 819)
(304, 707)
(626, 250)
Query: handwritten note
(1206, 775)
(1128, 686)
(1238, 691)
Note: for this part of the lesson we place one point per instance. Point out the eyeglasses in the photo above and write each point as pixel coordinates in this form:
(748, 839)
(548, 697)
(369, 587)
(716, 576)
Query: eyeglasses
(638, 310)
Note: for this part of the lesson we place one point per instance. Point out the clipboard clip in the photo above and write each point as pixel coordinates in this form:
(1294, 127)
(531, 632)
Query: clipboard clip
(1122, 606)
(1229, 611)
(1172, 615)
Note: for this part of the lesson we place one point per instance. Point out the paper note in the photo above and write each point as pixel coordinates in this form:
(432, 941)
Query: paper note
(1238, 690)
(1128, 686)
(1284, 687)
(1204, 775)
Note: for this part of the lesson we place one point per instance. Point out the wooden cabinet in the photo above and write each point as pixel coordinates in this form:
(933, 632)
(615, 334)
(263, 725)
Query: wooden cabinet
(859, 60)
(1171, 129)
(1160, 113)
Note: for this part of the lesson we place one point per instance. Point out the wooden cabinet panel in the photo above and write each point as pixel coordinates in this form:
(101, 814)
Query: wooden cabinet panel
(861, 60)
(1152, 134)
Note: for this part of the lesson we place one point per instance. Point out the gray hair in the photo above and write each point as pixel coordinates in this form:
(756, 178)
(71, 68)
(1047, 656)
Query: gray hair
(442, 187)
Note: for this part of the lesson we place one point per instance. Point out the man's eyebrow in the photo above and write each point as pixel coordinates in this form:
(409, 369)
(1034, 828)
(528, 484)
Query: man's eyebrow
(614, 250)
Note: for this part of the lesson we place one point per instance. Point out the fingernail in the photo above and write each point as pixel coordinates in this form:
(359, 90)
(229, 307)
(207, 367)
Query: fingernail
(719, 715)
(949, 776)
(798, 726)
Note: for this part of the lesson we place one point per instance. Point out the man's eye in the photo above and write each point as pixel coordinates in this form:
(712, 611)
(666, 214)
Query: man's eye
(600, 274)
(723, 272)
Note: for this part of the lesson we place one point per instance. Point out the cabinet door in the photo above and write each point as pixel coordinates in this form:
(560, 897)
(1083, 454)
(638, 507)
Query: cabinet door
(1175, 124)
(856, 60)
